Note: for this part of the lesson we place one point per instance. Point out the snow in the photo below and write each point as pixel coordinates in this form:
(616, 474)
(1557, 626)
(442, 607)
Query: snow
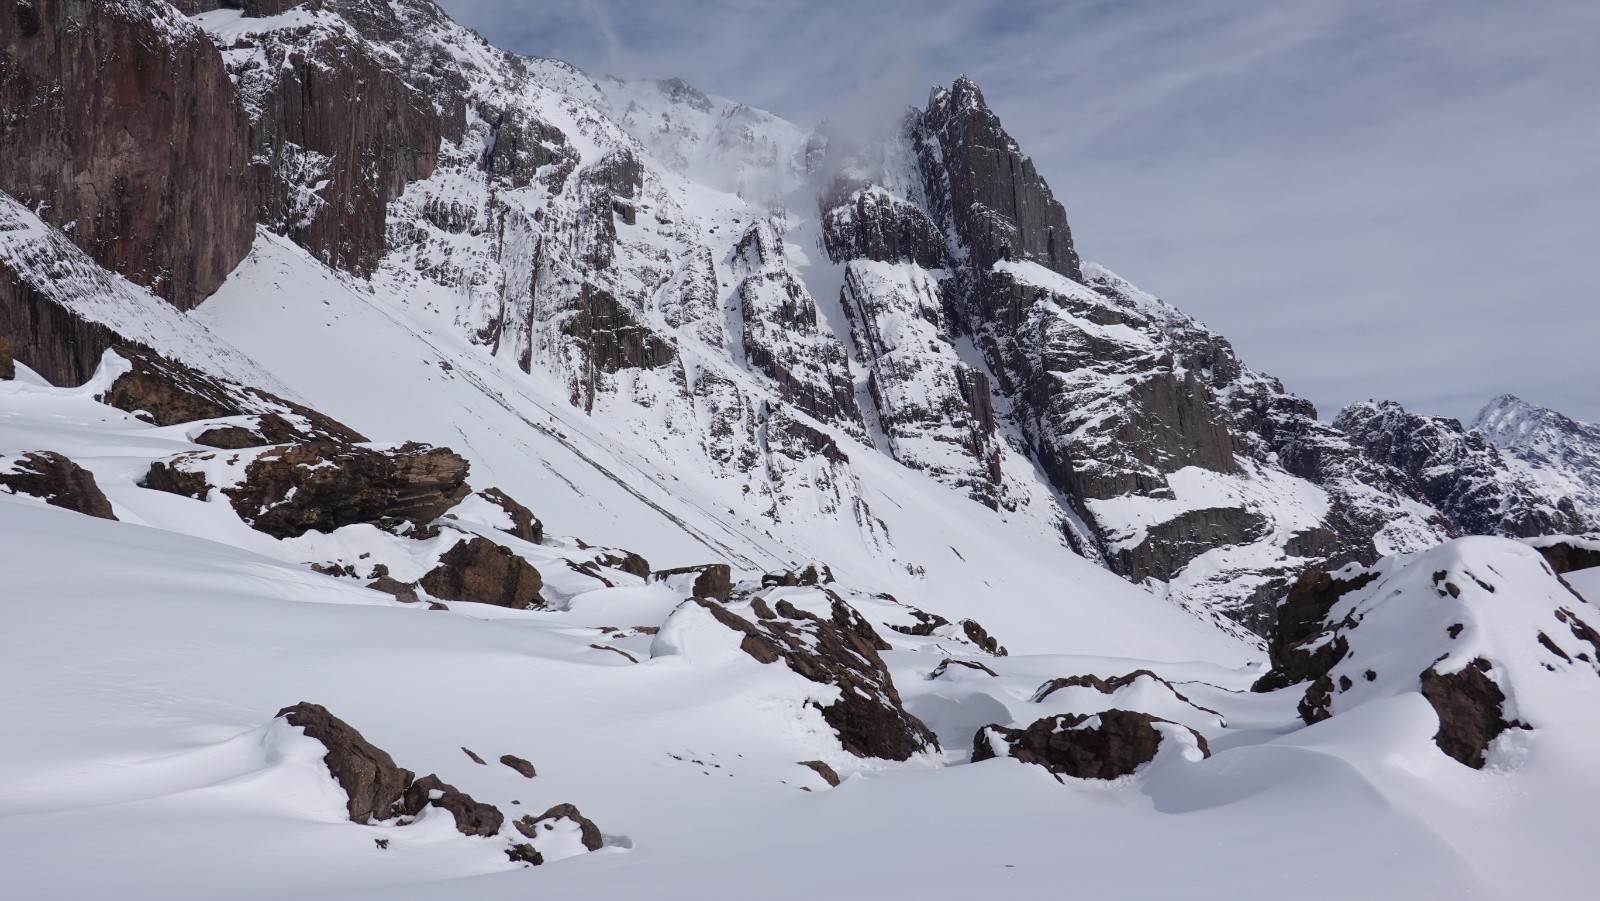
(155, 662)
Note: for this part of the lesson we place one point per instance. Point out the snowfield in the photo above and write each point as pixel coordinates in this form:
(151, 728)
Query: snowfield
(599, 489)
(149, 656)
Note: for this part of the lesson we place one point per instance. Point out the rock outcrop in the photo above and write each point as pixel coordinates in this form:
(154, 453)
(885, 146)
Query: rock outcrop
(1461, 474)
(335, 135)
(842, 651)
(1471, 710)
(483, 572)
(321, 486)
(378, 789)
(1481, 628)
(375, 785)
(986, 190)
(1106, 745)
(123, 129)
(166, 392)
(711, 580)
(472, 817)
(56, 480)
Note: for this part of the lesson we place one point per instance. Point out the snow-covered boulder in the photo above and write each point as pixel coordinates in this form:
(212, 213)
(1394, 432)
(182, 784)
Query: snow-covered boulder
(1106, 745)
(838, 651)
(1481, 628)
(55, 480)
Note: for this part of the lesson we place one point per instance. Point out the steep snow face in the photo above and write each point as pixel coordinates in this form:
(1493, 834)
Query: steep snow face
(1558, 454)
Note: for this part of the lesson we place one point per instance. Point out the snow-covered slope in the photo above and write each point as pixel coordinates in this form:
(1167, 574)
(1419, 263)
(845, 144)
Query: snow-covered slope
(157, 650)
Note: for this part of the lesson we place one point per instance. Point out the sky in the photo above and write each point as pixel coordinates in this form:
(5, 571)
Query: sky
(1371, 198)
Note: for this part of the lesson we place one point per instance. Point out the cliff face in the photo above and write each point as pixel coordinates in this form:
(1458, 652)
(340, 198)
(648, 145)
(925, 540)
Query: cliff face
(775, 304)
(335, 134)
(122, 129)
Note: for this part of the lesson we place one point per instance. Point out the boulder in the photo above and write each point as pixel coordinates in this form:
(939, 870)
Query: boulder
(1106, 745)
(481, 571)
(56, 480)
(520, 765)
(321, 486)
(472, 817)
(711, 580)
(1471, 710)
(531, 826)
(524, 524)
(376, 787)
(822, 769)
(174, 477)
(389, 585)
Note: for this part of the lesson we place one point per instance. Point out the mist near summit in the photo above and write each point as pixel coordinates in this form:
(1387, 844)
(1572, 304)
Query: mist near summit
(1370, 199)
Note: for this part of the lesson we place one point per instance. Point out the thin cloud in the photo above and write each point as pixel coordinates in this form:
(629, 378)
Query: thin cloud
(1371, 199)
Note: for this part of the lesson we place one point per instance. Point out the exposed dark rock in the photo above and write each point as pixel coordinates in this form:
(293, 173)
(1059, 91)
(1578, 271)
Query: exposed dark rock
(169, 393)
(712, 580)
(8, 365)
(1470, 709)
(925, 624)
(610, 337)
(522, 852)
(531, 826)
(946, 663)
(121, 121)
(472, 817)
(869, 717)
(173, 477)
(522, 147)
(475, 758)
(390, 585)
(809, 575)
(627, 561)
(230, 437)
(335, 134)
(823, 770)
(986, 189)
(1569, 555)
(783, 336)
(1459, 472)
(322, 486)
(481, 571)
(1169, 546)
(368, 775)
(56, 480)
(1116, 746)
(861, 221)
(520, 765)
(980, 636)
(524, 524)
(1302, 617)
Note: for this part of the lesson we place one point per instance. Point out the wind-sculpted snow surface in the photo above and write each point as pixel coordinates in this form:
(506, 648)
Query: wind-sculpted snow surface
(762, 504)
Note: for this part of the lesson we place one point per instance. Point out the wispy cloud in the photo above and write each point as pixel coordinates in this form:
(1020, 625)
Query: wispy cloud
(1372, 199)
